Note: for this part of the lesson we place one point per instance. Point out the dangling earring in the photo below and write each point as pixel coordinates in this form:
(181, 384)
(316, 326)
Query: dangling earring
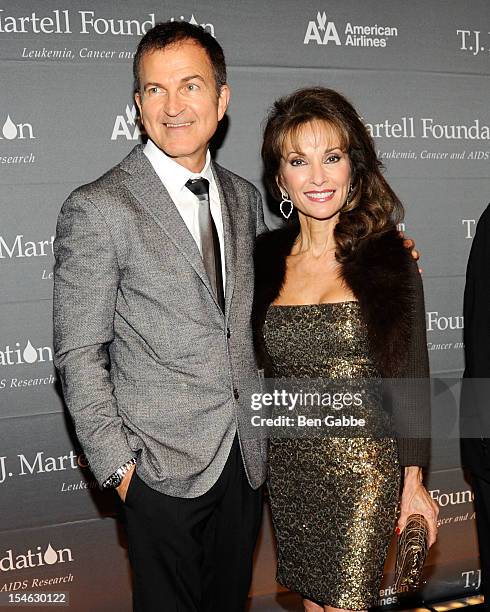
(286, 202)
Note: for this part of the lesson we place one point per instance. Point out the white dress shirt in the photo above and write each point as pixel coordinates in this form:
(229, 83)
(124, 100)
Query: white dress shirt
(174, 177)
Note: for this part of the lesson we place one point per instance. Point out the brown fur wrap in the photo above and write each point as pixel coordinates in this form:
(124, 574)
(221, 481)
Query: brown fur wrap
(380, 275)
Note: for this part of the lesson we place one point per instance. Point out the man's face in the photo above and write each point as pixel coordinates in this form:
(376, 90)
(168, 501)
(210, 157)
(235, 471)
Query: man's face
(178, 103)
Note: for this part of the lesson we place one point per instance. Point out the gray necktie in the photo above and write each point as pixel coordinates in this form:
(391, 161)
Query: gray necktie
(210, 249)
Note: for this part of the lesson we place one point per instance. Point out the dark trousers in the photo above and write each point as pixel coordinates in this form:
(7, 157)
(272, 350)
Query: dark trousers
(481, 489)
(193, 555)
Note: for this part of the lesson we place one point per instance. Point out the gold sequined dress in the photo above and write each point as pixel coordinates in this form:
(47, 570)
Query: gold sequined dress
(333, 499)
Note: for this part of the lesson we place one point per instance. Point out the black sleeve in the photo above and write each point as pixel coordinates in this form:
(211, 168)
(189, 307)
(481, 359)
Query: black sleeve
(411, 400)
(476, 313)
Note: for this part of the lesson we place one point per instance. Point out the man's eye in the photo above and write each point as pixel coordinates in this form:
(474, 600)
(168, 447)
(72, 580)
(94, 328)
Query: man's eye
(151, 91)
(192, 87)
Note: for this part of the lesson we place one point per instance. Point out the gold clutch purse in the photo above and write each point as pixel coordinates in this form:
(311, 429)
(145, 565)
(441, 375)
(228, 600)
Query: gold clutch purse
(411, 554)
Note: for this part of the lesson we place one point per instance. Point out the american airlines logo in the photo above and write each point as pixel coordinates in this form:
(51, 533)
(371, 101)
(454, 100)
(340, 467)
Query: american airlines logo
(322, 31)
(126, 125)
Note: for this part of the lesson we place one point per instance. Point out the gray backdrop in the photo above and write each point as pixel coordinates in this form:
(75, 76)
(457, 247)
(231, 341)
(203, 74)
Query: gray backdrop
(418, 73)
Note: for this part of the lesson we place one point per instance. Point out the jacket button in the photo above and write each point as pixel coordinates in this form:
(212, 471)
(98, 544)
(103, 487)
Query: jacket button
(236, 395)
(228, 332)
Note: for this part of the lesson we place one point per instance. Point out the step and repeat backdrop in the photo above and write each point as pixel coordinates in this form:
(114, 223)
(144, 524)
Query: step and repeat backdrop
(418, 73)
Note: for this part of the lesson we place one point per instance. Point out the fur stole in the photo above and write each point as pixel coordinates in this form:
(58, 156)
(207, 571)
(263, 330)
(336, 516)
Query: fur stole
(380, 275)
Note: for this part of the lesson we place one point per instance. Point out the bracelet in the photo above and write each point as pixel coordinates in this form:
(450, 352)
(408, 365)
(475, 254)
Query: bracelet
(116, 478)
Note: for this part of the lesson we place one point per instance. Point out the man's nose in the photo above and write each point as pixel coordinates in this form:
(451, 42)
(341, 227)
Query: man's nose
(174, 105)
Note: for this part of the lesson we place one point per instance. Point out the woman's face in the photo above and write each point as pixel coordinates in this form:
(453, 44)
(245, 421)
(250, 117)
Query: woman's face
(315, 171)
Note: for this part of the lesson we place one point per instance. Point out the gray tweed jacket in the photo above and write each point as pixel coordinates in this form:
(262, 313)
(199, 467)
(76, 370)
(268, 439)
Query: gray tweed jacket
(149, 364)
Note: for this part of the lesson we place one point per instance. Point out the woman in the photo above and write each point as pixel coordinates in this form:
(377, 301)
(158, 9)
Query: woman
(338, 297)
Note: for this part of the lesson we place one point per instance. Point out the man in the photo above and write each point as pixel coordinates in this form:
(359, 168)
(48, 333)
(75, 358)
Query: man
(152, 303)
(475, 411)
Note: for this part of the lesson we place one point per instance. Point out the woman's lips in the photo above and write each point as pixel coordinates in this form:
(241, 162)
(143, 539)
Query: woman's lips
(320, 196)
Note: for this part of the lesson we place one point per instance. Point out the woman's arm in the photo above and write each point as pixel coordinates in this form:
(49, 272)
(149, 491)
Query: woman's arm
(416, 500)
(411, 397)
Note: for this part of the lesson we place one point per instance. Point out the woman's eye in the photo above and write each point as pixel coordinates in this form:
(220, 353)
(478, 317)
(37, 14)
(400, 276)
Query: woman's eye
(296, 162)
(333, 158)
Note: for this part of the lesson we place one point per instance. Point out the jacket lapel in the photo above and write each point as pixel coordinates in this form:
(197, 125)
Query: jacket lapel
(145, 185)
(228, 199)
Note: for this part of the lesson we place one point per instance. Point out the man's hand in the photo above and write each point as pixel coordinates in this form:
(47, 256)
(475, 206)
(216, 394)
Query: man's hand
(408, 243)
(122, 489)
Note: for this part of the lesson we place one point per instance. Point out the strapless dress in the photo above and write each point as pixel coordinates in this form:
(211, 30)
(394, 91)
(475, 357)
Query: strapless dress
(333, 499)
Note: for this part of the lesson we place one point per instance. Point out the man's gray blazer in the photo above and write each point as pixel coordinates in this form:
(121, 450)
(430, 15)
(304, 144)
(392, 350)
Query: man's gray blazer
(150, 366)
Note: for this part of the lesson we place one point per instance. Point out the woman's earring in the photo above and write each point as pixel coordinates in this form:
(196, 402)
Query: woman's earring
(286, 202)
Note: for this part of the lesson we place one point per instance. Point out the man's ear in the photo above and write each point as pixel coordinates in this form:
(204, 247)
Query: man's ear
(223, 101)
(137, 99)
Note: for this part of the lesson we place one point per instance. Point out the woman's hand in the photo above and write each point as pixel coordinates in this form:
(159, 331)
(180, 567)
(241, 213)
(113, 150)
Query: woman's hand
(416, 500)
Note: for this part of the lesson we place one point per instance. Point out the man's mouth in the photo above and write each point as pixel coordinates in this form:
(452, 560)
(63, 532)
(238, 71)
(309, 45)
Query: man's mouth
(177, 125)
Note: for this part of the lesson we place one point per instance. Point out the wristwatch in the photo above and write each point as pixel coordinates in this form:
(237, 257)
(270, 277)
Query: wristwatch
(115, 479)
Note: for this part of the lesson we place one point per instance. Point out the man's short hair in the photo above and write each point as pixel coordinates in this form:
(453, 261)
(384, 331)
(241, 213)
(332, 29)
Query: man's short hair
(168, 33)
